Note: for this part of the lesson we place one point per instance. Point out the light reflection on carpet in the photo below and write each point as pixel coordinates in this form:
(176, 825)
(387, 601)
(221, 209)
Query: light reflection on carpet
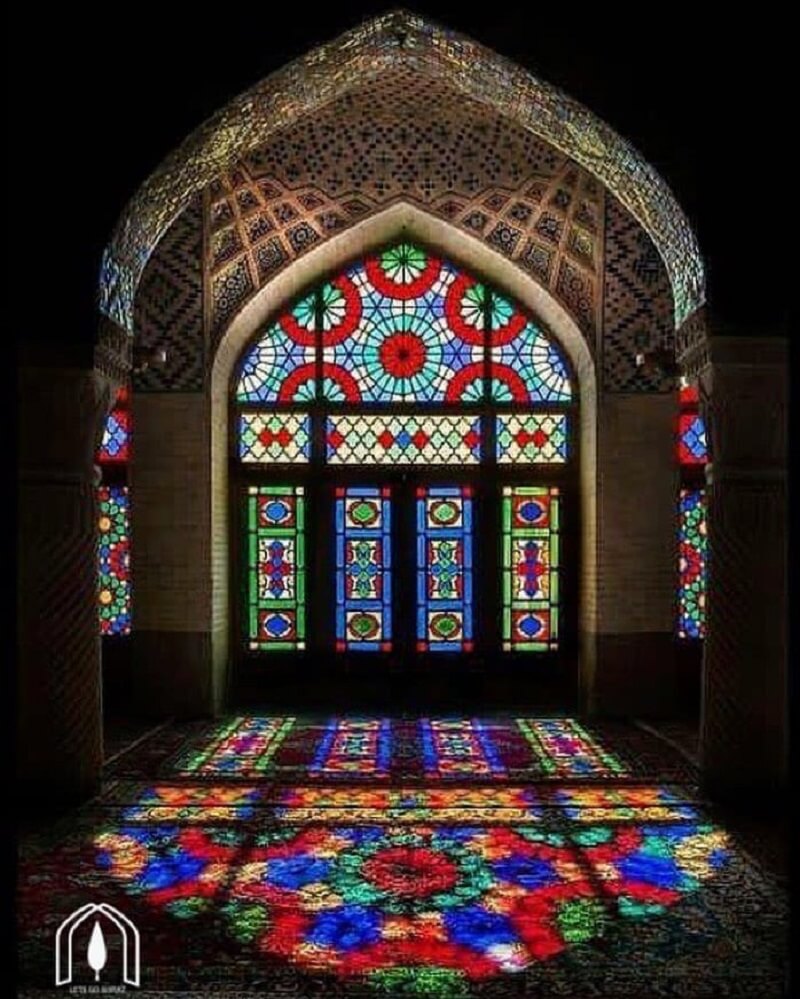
(412, 887)
(354, 748)
(241, 746)
(370, 749)
(565, 749)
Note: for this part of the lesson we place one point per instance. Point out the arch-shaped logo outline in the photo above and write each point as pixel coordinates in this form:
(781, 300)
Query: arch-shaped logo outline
(130, 940)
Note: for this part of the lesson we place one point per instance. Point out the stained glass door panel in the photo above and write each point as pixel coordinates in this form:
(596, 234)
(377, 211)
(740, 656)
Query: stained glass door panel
(444, 569)
(276, 568)
(363, 519)
(530, 568)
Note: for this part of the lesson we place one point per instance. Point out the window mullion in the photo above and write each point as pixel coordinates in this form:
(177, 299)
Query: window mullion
(488, 433)
(486, 552)
(317, 415)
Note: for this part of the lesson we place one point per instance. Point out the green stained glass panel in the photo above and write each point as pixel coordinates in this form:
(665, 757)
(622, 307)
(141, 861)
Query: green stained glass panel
(692, 548)
(530, 568)
(114, 584)
(276, 568)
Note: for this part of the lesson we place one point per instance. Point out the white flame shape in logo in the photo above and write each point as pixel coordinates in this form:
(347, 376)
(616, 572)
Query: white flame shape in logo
(97, 953)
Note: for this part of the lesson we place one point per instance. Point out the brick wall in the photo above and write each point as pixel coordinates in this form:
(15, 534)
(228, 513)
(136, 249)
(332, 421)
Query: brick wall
(171, 554)
(637, 483)
(170, 535)
(634, 670)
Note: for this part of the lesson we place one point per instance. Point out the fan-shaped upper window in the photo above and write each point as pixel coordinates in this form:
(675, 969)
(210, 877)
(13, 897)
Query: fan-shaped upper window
(404, 326)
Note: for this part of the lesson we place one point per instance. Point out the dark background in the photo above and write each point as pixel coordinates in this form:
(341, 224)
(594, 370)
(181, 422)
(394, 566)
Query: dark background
(99, 95)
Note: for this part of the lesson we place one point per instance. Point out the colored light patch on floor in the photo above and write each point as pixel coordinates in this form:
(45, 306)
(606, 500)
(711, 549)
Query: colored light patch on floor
(564, 748)
(646, 868)
(623, 804)
(458, 748)
(243, 747)
(454, 901)
(176, 803)
(402, 805)
(352, 747)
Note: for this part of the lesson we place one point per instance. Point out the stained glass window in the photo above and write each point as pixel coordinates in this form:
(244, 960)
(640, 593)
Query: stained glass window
(276, 567)
(270, 438)
(526, 365)
(530, 530)
(113, 506)
(404, 325)
(692, 455)
(114, 594)
(280, 366)
(363, 569)
(444, 569)
(536, 438)
(404, 361)
(692, 563)
(394, 341)
(403, 440)
(116, 437)
(692, 446)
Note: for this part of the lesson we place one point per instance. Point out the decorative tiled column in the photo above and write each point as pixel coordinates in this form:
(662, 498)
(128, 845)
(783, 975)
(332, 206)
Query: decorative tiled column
(743, 384)
(59, 747)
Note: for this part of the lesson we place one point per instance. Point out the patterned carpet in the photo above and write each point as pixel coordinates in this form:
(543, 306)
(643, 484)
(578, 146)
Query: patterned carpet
(490, 857)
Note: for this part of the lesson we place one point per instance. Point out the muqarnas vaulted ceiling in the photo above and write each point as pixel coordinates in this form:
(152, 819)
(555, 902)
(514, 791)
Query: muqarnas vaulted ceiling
(415, 141)
(422, 143)
(397, 60)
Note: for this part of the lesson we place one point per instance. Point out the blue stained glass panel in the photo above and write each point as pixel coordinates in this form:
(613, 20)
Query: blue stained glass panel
(279, 367)
(363, 569)
(444, 569)
(692, 442)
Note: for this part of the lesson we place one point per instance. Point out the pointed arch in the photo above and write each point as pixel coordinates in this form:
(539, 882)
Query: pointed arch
(409, 222)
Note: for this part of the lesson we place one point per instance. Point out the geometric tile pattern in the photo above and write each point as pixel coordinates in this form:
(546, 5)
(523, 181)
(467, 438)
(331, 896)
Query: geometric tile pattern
(407, 440)
(637, 305)
(169, 308)
(369, 57)
(532, 204)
